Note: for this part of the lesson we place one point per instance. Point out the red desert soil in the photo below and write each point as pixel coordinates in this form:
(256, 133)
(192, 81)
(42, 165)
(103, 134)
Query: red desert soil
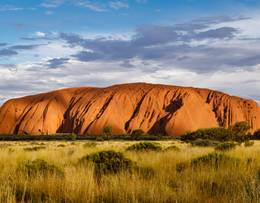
(153, 108)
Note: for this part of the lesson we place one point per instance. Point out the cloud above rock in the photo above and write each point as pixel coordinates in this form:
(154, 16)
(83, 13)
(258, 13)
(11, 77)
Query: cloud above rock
(215, 52)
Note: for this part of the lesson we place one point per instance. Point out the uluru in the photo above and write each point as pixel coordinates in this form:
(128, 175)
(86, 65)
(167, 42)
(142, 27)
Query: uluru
(153, 108)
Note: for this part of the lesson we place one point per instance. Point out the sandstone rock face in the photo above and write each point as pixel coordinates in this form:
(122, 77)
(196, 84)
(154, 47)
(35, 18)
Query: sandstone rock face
(160, 109)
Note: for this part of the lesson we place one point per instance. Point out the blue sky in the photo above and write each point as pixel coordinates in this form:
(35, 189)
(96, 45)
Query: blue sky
(49, 44)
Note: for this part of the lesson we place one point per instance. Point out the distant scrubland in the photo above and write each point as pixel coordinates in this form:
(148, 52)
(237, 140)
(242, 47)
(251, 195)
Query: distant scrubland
(129, 171)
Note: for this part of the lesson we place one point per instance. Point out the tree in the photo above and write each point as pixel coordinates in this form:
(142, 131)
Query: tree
(138, 132)
(239, 130)
(108, 130)
(257, 134)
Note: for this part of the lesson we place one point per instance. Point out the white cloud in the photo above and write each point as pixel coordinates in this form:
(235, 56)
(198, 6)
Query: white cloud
(92, 6)
(118, 5)
(10, 8)
(205, 68)
(40, 34)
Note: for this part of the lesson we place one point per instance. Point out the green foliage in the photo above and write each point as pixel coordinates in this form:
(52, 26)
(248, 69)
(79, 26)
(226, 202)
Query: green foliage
(257, 134)
(138, 133)
(204, 143)
(108, 162)
(214, 160)
(145, 146)
(240, 129)
(236, 132)
(108, 130)
(226, 146)
(220, 134)
(41, 167)
(70, 136)
(248, 143)
(172, 148)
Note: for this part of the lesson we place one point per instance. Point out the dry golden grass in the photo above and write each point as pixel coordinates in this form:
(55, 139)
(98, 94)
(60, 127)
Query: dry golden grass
(228, 183)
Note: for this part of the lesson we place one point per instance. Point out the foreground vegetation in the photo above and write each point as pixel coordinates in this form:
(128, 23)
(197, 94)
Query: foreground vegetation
(126, 171)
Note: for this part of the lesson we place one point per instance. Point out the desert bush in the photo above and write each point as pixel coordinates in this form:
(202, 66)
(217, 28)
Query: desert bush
(248, 143)
(108, 130)
(220, 134)
(240, 129)
(34, 148)
(138, 132)
(70, 137)
(108, 162)
(237, 132)
(172, 148)
(204, 143)
(214, 160)
(225, 146)
(145, 146)
(257, 134)
(39, 166)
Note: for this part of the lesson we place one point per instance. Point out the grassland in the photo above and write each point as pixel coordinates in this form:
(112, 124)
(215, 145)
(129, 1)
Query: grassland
(170, 175)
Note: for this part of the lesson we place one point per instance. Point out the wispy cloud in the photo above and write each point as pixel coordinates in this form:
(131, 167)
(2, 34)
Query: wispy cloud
(211, 52)
(52, 3)
(92, 6)
(10, 8)
(118, 5)
(6, 8)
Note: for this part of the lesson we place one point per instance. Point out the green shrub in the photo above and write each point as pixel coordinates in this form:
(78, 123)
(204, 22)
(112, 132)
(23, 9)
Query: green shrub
(138, 132)
(257, 134)
(240, 129)
(145, 146)
(172, 148)
(40, 166)
(248, 143)
(214, 160)
(204, 143)
(220, 134)
(226, 146)
(70, 136)
(108, 162)
(108, 130)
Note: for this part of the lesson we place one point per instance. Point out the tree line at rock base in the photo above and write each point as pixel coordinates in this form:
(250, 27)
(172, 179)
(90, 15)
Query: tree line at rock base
(238, 132)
